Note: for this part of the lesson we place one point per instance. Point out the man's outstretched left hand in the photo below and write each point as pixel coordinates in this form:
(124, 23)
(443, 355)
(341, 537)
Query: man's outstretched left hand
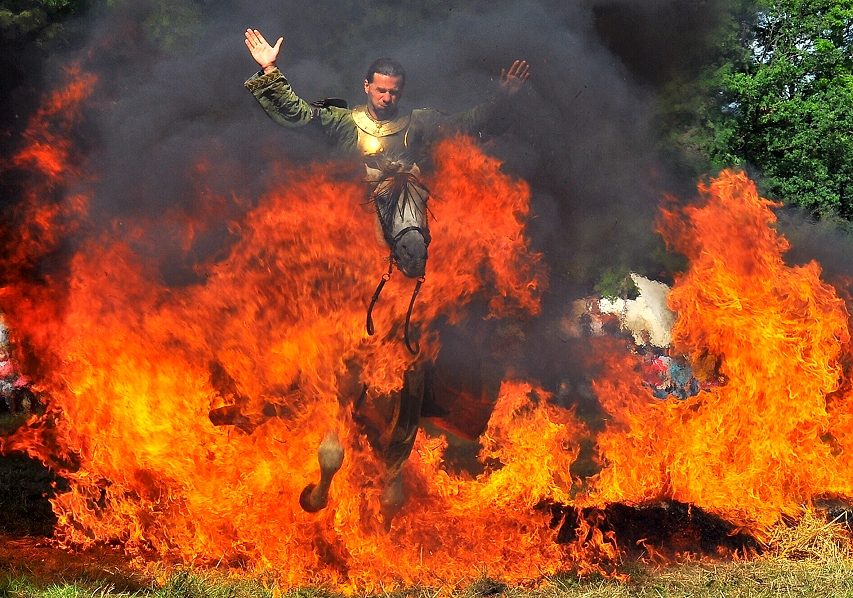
(513, 80)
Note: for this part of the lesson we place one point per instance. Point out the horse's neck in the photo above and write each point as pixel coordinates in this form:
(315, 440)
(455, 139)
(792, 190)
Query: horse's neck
(412, 213)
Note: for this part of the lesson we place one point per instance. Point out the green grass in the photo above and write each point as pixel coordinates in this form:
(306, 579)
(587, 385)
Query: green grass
(72, 575)
(756, 579)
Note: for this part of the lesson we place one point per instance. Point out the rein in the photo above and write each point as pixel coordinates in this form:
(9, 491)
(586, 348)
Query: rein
(417, 348)
(375, 298)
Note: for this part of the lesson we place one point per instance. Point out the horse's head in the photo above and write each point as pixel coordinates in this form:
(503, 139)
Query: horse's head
(401, 204)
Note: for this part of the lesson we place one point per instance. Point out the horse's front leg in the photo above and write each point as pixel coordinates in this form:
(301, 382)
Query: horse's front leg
(330, 454)
(403, 435)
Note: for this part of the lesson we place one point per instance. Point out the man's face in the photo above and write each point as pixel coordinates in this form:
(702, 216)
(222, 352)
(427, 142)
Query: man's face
(383, 93)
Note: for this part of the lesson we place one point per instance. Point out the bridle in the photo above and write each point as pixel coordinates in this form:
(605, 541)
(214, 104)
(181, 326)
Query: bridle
(398, 188)
(385, 277)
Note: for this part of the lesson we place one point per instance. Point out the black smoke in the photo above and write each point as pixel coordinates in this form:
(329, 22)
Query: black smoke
(172, 129)
(170, 94)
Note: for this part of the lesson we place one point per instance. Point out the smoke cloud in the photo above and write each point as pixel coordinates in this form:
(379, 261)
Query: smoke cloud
(173, 130)
(174, 97)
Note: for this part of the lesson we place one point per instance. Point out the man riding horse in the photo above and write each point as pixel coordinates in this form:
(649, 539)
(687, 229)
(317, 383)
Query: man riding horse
(391, 143)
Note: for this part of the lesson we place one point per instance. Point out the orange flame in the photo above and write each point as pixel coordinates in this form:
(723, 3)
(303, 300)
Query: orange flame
(271, 346)
(280, 324)
(47, 154)
(757, 447)
(48, 212)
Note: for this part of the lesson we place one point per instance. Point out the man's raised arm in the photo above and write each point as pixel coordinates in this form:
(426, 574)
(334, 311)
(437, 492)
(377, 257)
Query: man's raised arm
(263, 53)
(270, 87)
(493, 116)
(273, 92)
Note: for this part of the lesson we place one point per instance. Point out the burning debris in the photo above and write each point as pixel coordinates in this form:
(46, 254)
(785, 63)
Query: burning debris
(660, 532)
(16, 395)
(648, 320)
(646, 317)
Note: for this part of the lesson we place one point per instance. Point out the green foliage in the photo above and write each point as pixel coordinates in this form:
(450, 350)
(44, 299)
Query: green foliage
(693, 105)
(779, 97)
(791, 112)
(776, 97)
(22, 20)
(616, 283)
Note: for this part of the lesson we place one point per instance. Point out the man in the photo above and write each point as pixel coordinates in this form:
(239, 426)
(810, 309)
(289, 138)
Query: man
(377, 129)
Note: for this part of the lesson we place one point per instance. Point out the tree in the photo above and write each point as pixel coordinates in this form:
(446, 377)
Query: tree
(788, 108)
(22, 20)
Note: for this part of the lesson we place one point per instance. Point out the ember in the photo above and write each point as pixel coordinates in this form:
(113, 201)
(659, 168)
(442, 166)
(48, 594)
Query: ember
(187, 420)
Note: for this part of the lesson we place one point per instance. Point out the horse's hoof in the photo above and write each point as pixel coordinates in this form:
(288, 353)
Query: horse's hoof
(330, 454)
(310, 502)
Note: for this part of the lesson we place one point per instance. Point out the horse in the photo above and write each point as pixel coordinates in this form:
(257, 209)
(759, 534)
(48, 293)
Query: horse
(455, 389)
(400, 201)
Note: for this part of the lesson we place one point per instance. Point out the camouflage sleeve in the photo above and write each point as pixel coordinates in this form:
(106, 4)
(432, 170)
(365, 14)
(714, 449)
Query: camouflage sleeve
(278, 100)
(489, 118)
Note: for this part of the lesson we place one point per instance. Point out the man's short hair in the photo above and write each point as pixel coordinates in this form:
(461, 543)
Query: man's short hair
(388, 67)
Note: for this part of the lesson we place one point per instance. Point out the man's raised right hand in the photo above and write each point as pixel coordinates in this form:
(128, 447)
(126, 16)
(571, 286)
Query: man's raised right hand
(263, 53)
